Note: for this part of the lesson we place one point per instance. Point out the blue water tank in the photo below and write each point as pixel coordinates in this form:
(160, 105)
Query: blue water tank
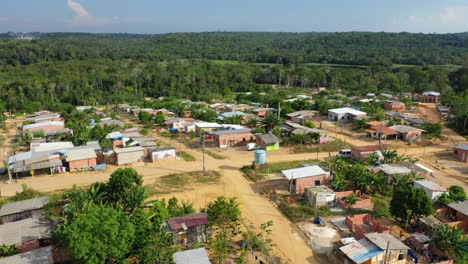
(121, 138)
(260, 157)
(92, 121)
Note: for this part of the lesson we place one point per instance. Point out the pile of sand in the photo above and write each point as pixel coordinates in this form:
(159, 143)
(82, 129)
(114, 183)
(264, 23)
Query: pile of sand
(320, 238)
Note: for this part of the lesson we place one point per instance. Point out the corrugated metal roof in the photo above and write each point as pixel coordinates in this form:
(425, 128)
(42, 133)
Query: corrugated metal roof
(207, 125)
(25, 230)
(269, 138)
(24, 206)
(40, 147)
(404, 129)
(230, 114)
(361, 250)
(461, 207)
(231, 132)
(303, 172)
(127, 150)
(383, 240)
(37, 256)
(49, 123)
(430, 186)
(20, 166)
(199, 219)
(193, 256)
(464, 147)
(80, 154)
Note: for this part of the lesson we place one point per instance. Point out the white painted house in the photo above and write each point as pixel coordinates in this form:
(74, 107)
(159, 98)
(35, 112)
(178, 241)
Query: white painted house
(162, 153)
(432, 189)
(344, 114)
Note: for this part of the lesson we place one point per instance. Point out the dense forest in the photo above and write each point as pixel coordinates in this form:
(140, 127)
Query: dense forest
(356, 48)
(85, 69)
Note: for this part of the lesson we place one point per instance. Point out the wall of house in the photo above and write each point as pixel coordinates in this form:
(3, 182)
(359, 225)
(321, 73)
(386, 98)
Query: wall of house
(231, 140)
(430, 99)
(165, 154)
(460, 154)
(80, 164)
(303, 183)
(130, 157)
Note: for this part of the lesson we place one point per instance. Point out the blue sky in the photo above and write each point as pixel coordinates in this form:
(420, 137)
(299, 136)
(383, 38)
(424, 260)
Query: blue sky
(161, 16)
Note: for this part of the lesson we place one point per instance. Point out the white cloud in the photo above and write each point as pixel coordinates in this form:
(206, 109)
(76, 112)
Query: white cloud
(458, 15)
(82, 17)
(443, 20)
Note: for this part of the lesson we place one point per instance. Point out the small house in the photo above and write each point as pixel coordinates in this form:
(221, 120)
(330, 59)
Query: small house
(192, 256)
(379, 130)
(455, 214)
(302, 116)
(37, 256)
(408, 133)
(262, 112)
(129, 155)
(162, 153)
(460, 153)
(344, 115)
(231, 138)
(432, 189)
(304, 177)
(318, 196)
(431, 97)
(42, 147)
(363, 152)
(81, 159)
(222, 117)
(376, 249)
(27, 234)
(267, 141)
(189, 229)
(30, 208)
(394, 106)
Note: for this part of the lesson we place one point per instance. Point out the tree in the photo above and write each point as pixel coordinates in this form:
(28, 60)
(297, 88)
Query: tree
(144, 116)
(160, 118)
(452, 241)
(409, 202)
(125, 187)
(100, 236)
(224, 215)
(455, 194)
(432, 129)
(271, 121)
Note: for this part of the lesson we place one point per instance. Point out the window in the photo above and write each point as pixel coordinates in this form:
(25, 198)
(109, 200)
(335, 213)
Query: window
(455, 151)
(342, 117)
(317, 183)
(401, 256)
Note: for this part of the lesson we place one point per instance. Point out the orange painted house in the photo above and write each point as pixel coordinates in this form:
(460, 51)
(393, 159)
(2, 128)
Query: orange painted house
(461, 153)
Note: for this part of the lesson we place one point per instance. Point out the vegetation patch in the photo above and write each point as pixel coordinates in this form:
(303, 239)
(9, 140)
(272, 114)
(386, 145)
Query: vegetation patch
(333, 146)
(297, 213)
(182, 181)
(187, 157)
(2, 140)
(26, 193)
(215, 155)
(382, 206)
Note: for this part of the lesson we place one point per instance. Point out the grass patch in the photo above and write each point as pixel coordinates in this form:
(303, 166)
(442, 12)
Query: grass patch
(256, 175)
(215, 155)
(183, 181)
(333, 146)
(187, 157)
(27, 193)
(297, 213)
(382, 206)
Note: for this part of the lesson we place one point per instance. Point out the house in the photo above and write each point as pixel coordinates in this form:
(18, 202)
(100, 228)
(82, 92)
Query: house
(37, 256)
(34, 163)
(376, 249)
(48, 125)
(178, 123)
(416, 122)
(162, 153)
(267, 141)
(129, 155)
(81, 159)
(363, 201)
(302, 116)
(431, 97)
(344, 115)
(318, 196)
(460, 153)
(390, 171)
(54, 117)
(432, 189)
(30, 208)
(192, 256)
(83, 108)
(455, 214)
(27, 234)
(379, 130)
(290, 128)
(408, 133)
(231, 138)
(304, 177)
(363, 152)
(42, 147)
(262, 112)
(227, 115)
(205, 127)
(363, 224)
(189, 229)
(394, 106)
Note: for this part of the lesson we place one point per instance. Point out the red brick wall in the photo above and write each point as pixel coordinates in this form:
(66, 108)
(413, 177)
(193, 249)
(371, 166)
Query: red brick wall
(28, 246)
(354, 222)
(390, 106)
(459, 154)
(85, 163)
(240, 139)
(303, 183)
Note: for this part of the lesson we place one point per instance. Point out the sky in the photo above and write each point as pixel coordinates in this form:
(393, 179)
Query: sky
(163, 16)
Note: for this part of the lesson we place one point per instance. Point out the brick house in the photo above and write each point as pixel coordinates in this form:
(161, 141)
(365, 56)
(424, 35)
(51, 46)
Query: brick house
(363, 151)
(262, 112)
(461, 153)
(231, 138)
(301, 178)
(394, 106)
(27, 234)
(456, 214)
(431, 97)
(30, 208)
(81, 159)
(267, 141)
(189, 229)
(408, 133)
(363, 224)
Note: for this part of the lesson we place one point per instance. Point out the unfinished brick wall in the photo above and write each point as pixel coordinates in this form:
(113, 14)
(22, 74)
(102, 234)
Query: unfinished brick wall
(28, 246)
(363, 224)
(365, 201)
